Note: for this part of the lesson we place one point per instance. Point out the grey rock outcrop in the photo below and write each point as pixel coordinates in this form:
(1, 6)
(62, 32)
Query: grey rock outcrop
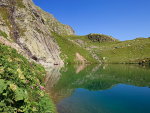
(31, 28)
(101, 38)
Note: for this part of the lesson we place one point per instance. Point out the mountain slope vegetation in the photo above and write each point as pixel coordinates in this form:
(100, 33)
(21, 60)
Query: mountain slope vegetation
(130, 51)
(69, 51)
(21, 84)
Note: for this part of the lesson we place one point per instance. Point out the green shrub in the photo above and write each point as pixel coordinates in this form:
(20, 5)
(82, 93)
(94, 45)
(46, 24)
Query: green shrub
(20, 84)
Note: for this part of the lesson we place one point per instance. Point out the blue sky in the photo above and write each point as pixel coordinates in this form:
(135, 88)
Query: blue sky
(122, 19)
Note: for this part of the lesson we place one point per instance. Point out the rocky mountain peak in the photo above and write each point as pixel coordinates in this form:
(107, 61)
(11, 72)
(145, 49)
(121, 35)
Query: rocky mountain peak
(30, 27)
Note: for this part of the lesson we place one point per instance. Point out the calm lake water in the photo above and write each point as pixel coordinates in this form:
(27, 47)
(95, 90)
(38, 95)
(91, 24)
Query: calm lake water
(100, 88)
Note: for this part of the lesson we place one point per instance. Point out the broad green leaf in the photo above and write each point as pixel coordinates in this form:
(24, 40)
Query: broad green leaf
(1, 70)
(3, 85)
(2, 104)
(20, 94)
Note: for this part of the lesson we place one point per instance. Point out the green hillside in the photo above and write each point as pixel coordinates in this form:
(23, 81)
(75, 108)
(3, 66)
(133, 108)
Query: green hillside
(69, 50)
(130, 51)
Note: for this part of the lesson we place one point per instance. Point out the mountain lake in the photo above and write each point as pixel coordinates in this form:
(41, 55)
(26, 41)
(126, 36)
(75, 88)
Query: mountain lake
(113, 88)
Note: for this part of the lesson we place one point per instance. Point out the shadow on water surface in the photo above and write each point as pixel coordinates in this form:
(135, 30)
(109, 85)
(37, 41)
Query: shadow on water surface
(114, 88)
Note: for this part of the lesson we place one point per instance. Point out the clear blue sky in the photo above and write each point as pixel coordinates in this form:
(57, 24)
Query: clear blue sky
(122, 19)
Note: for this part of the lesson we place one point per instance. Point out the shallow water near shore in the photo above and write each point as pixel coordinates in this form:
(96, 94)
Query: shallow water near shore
(111, 88)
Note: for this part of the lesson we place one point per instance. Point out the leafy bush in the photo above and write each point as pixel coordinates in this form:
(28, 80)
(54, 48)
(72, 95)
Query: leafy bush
(21, 89)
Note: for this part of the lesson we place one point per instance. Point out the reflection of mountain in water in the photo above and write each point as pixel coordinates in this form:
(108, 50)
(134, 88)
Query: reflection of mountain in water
(53, 76)
(95, 78)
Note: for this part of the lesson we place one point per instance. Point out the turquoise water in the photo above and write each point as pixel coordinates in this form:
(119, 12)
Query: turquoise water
(119, 99)
(103, 89)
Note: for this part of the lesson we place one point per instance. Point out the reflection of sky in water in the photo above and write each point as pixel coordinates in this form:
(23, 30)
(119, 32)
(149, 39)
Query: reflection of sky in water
(120, 99)
(100, 89)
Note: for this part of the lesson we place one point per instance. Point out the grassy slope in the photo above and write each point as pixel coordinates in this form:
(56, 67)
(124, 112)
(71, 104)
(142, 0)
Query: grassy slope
(128, 51)
(131, 51)
(20, 83)
(69, 50)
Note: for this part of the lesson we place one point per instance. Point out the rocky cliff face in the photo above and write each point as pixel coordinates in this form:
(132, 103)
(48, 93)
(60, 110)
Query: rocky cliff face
(30, 28)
